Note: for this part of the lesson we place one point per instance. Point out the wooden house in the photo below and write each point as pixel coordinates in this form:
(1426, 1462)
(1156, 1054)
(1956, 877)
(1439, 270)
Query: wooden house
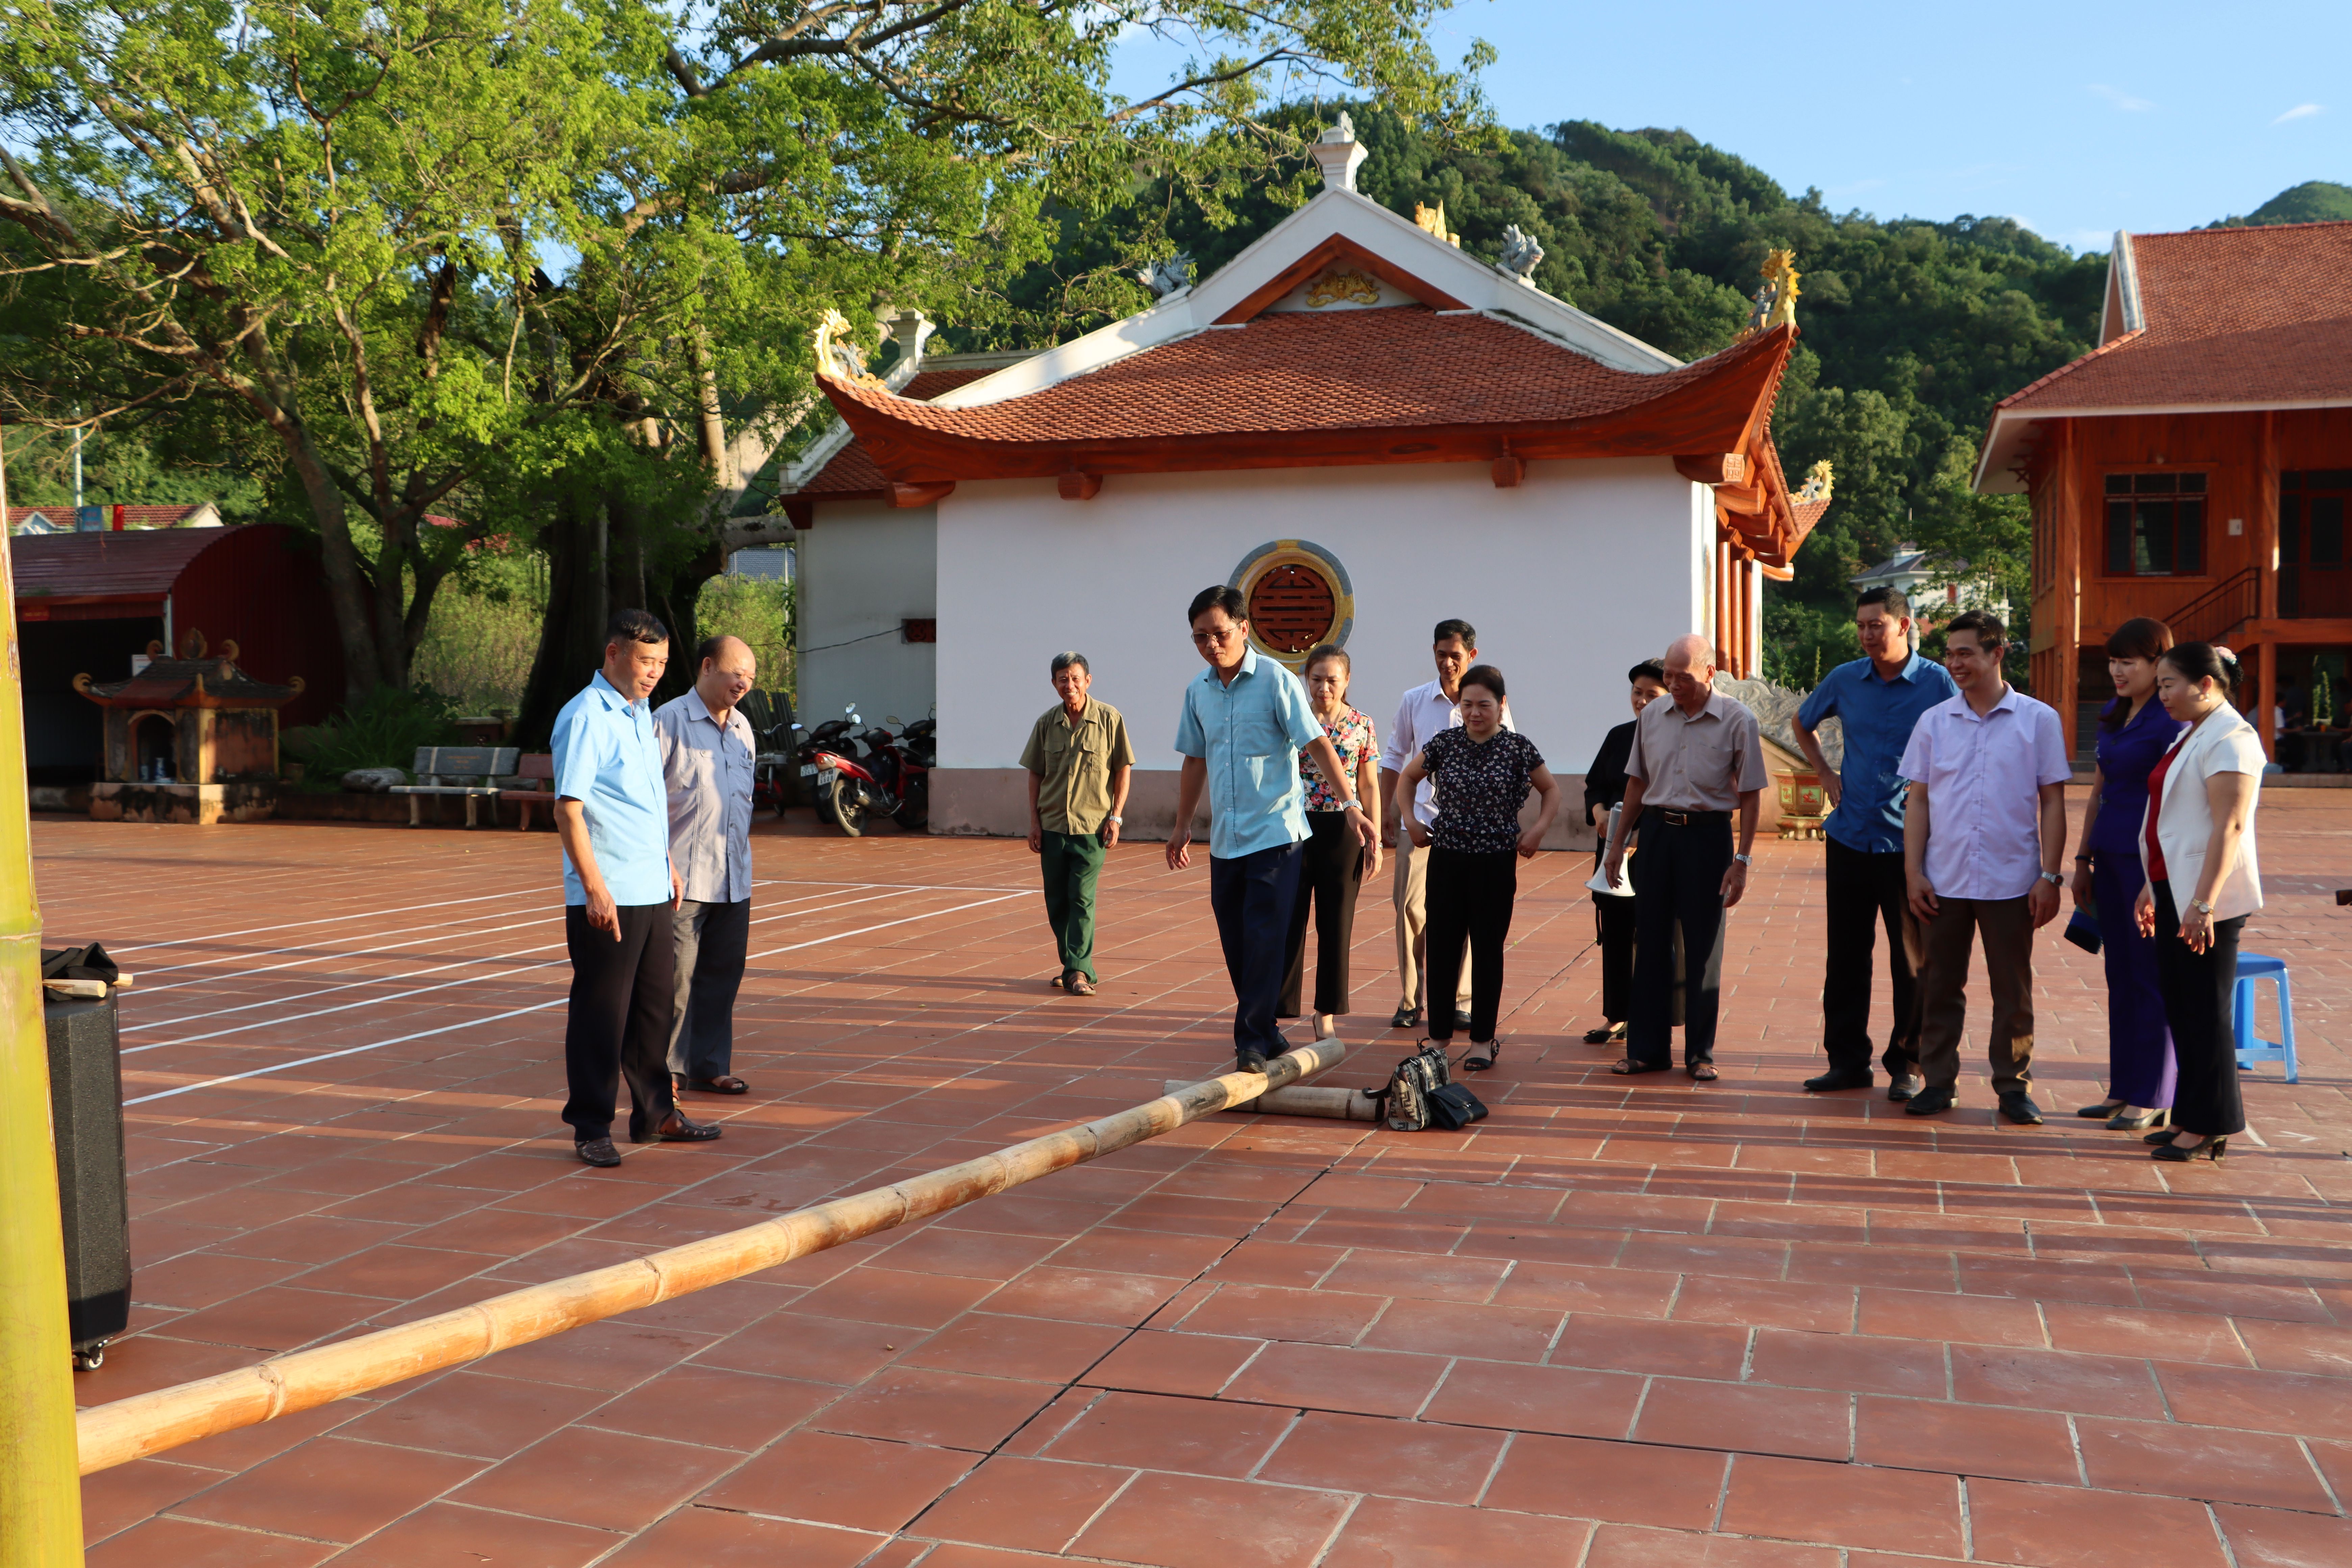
(2196, 465)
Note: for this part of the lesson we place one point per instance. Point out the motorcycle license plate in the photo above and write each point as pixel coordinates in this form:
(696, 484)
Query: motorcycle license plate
(824, 780)
(808, 770)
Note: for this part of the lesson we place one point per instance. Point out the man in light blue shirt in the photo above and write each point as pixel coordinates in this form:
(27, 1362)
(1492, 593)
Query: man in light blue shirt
(1245, 721)
(1877, 700)
(612, 816)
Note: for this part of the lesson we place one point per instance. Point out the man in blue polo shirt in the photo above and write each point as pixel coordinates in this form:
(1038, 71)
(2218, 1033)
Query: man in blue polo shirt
(1879, 698)
(612, 816)
(1246, 719)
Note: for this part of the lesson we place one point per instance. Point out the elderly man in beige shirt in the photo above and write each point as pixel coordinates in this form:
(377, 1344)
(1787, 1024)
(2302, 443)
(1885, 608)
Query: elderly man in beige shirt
(707, 750)
(1695, 760)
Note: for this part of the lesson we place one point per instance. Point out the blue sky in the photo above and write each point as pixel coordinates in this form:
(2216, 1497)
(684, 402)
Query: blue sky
(2075, 118)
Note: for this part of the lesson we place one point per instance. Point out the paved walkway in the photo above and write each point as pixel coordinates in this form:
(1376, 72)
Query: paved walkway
(1621, 1326)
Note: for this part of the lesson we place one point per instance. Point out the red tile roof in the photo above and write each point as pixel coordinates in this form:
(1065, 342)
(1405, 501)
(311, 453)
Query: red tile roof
(2259, 317)
(1292, 371)
(852, 472)
(137, 563)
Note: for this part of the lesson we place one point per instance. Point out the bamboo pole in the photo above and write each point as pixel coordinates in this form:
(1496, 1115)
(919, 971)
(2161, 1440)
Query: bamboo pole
(1312, 1099)
(150, 1423)
(40, 1503)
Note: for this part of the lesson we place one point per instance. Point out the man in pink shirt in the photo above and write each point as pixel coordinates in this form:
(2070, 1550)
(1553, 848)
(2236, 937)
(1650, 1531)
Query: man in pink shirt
(1982, 859)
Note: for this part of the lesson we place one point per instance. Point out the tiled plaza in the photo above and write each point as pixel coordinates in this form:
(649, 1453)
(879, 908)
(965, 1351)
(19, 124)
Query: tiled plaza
(1618, 1325)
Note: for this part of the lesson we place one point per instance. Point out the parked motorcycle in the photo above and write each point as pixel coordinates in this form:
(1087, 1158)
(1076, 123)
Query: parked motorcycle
(892, 776)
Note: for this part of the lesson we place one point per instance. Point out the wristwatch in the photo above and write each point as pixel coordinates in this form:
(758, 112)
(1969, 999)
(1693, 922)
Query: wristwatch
(2201, 906)
(2053, 878)
(1114, 817)
(1745, 860)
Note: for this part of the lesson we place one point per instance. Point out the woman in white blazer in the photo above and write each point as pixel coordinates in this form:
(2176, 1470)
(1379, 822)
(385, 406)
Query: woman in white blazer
(2197, 839)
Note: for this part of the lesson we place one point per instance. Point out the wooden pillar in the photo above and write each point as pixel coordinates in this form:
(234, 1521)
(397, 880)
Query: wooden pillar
(2068, 489)
(1723, 603)
(2265, 523)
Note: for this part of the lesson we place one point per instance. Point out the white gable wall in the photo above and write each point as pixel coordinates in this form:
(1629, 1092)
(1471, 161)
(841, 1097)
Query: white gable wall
(1579, 572)
(864, 569)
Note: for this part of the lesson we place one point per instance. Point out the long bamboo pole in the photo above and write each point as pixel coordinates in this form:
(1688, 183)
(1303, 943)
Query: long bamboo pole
(150, 1423)
(40, 1503)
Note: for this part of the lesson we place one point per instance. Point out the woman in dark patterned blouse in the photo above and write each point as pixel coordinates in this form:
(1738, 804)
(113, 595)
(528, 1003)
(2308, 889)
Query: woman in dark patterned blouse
(1335, 865)
(1483, 772)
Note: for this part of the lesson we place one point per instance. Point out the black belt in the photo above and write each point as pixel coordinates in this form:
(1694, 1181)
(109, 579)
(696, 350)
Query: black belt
(1691, 818)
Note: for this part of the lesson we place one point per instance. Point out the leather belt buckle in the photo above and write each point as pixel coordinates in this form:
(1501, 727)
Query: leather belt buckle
(1677, 819)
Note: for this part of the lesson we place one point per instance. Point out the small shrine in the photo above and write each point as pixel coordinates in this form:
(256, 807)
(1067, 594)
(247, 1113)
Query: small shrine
(188, 739)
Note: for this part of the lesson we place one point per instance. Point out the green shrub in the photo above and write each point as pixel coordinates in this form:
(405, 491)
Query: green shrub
(383, 731)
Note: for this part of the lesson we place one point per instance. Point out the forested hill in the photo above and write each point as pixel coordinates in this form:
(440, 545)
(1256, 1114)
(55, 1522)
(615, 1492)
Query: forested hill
(1912, 330)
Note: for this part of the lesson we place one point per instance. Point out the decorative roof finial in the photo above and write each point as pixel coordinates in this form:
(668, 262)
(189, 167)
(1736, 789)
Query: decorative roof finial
(1339, 153)
(1433, 222)
(1775, 303)
(1167, 276)
(838, 357)
(1819, 480)
(1520, 255)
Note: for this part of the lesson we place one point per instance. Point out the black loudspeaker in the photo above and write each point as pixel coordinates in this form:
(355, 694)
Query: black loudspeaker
(93, 1190)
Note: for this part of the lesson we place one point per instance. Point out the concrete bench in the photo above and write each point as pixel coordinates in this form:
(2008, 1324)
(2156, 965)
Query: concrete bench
(539, 767)
(465, 770)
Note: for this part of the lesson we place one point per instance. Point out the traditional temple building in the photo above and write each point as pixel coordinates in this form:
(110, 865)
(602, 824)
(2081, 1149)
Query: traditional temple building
(2196, 465)
(1358, 424)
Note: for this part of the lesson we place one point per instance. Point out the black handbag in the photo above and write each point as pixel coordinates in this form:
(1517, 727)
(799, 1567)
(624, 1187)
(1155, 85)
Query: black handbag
(1422, 1091)
(1454, 1107)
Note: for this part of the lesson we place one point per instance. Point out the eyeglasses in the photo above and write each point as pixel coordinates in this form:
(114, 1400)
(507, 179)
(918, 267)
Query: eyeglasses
(1225, 636)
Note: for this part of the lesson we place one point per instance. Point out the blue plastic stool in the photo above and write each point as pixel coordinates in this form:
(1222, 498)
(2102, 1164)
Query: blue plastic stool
(2253, 966)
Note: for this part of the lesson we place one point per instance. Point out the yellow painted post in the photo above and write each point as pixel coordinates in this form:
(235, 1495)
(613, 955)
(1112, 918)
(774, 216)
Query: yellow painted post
(40, 1490)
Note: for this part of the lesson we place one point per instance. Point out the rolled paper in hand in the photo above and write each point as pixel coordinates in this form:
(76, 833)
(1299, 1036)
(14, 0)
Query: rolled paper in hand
(1622, 887)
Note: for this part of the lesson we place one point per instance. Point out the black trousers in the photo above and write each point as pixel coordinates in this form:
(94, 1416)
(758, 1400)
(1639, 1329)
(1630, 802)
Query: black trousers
(1613, 927)
(2200, 995)
(1251, 896)
(619, 1021)
(1865, 889)
(1469, 896)
(1678, 884)
(1330, 877)
(710, 941)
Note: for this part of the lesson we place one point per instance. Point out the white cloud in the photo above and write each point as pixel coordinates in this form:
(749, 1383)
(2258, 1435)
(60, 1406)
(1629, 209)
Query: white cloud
(2300, 112)
(2122, 99)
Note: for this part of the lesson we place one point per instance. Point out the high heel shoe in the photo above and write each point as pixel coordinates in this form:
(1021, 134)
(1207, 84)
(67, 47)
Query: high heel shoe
(2213, 1149)
(2163, 1137)
(2120, 1122)
(2105, 1108)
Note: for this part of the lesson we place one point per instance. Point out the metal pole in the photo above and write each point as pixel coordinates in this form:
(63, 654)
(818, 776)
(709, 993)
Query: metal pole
(40, 1496)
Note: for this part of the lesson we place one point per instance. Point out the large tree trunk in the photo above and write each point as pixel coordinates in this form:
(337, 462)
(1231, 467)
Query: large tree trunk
(347, 586)
(572, 637)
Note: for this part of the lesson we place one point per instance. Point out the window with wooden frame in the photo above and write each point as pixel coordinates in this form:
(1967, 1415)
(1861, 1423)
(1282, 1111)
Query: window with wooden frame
(2156, 525)
(2312, 577)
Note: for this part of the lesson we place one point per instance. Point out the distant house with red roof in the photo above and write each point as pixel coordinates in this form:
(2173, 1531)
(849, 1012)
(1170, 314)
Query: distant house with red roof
(2197, 465)
(41, 519)
(1360, 425)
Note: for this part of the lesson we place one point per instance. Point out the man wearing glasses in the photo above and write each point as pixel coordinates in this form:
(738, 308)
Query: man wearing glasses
(1245, 721)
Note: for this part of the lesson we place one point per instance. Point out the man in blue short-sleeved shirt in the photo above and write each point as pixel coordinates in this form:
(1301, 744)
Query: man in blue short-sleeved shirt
(1245, 721)
(1878, 698)
(612, 816)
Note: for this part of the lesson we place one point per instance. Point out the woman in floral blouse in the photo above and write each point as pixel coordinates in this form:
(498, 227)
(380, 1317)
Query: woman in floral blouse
(1482, 774)
(1335, 866)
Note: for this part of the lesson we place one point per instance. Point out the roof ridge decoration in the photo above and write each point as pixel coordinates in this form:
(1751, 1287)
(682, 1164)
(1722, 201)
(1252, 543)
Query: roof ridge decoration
(1775, 302)
(1431, 221)
(839, 356)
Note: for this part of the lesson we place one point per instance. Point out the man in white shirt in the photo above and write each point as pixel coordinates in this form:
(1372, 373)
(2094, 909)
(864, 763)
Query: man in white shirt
(707, 749)
(1984, 833)
(1424, 710)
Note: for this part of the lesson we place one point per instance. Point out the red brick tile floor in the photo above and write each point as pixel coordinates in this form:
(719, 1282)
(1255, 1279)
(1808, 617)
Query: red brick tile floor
(1622, 1325)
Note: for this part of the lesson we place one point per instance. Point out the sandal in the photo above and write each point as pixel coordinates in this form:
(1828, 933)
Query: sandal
(727, 1083)
(1629, 1067)
(1078, 985)
(1481, 1064)
(1703, 1072)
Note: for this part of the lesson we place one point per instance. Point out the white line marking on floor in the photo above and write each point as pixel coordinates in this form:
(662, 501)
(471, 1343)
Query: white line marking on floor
(535, 1008)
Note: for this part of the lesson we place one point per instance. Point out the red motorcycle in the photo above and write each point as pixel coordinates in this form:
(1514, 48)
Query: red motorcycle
(893, 777)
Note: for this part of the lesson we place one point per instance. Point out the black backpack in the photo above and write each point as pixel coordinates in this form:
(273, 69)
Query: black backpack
(1422, 1091)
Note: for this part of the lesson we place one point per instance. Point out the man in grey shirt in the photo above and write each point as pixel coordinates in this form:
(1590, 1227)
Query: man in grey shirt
(706, 750)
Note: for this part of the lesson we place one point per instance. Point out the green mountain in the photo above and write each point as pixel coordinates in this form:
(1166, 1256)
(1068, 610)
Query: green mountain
(2314, 201)
(1912, 329)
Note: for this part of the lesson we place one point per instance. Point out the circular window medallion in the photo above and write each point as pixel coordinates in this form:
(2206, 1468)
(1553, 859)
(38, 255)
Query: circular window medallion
(1299, 597)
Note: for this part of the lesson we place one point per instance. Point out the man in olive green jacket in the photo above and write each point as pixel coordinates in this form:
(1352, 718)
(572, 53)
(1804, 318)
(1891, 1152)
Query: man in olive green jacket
(1079, 765)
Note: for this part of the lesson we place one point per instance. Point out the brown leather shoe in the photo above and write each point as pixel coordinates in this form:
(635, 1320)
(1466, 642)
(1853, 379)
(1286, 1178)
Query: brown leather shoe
(597, 1151)
(676, 1129)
